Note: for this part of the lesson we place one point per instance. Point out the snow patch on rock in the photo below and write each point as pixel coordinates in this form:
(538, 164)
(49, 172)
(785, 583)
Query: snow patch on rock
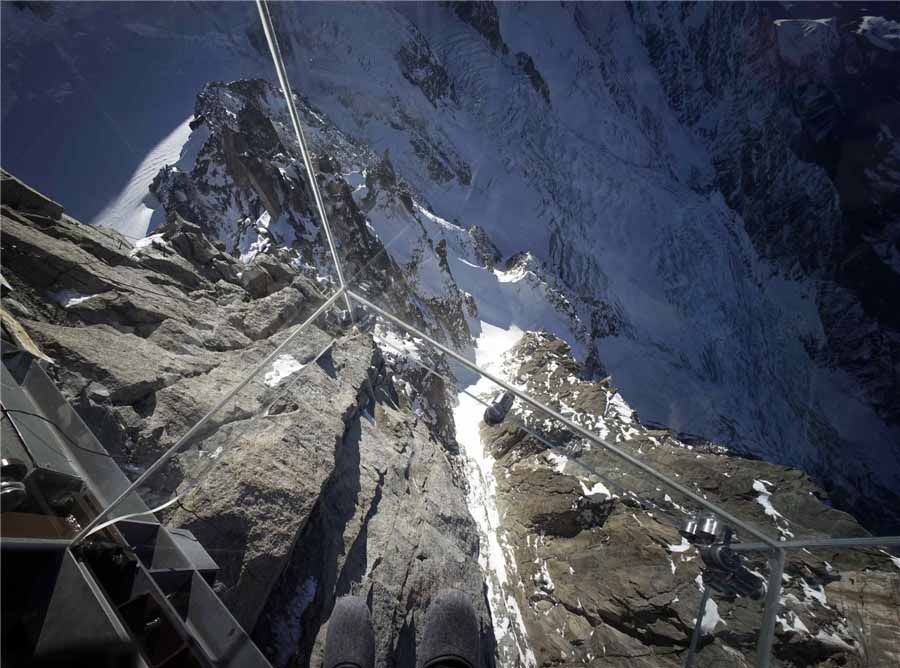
(283, 367)
(880, 32)
(68, 298)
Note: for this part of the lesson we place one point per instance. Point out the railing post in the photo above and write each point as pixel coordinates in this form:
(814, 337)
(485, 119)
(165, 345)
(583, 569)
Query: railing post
(773, 602)
(691, 660)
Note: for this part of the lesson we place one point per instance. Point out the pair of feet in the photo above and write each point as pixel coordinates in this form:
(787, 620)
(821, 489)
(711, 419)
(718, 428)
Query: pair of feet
(450, 638)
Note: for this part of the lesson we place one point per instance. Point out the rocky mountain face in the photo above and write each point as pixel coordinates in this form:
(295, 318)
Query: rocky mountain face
(248, 190)
(606, 579)
(711, 187)
(808, 156)
(846, 100)
(336, 470)
(326, 479)
(708, 189)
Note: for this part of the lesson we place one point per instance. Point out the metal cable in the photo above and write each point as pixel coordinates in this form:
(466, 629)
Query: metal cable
(155, 466)
(278, 61)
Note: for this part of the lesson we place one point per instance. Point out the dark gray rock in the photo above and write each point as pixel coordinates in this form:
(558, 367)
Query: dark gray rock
(265, 275)
(604, 577)
(482, 16)
(421, 67)
(819, 199)
(313, 480)
(534, 76)
(26, 200)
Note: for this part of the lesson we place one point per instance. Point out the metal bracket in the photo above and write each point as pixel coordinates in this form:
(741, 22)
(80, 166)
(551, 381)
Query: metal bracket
(773, 603)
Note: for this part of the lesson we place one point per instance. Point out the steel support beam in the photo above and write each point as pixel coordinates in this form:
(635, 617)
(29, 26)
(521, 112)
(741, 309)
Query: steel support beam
(691, 660)
(837, 543)
(770, 614)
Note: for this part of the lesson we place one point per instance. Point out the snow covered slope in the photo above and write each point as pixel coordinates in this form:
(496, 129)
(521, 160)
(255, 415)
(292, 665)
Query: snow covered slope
(91, 90)
(496, 557)
(558, 132)
(134, 212)
(641, 156)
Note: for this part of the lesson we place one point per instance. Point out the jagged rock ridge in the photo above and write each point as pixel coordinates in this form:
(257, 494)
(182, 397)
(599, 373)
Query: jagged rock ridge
(605, 577)
(326, 480)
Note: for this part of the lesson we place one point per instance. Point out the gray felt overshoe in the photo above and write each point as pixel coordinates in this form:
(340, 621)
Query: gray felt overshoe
(451, 637)
(350, 642)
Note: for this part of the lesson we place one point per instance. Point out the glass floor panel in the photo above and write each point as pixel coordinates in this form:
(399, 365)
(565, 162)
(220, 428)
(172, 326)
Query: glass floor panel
(366, 299)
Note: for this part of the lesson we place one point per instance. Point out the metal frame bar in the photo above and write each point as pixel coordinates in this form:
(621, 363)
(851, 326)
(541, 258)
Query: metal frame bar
(168, 454)
(770, 614)
(838, 543)
(272, 39)
(269, 29)
(691, 660)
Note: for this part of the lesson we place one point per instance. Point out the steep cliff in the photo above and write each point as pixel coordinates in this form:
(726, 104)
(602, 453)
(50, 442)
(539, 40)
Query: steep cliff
(602, 576)
(711, 187)
(675, 223)
(325, 480)
(344, 467)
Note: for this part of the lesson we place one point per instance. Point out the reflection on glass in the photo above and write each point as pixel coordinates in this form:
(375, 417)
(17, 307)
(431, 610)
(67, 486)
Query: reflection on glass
(545, 262)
